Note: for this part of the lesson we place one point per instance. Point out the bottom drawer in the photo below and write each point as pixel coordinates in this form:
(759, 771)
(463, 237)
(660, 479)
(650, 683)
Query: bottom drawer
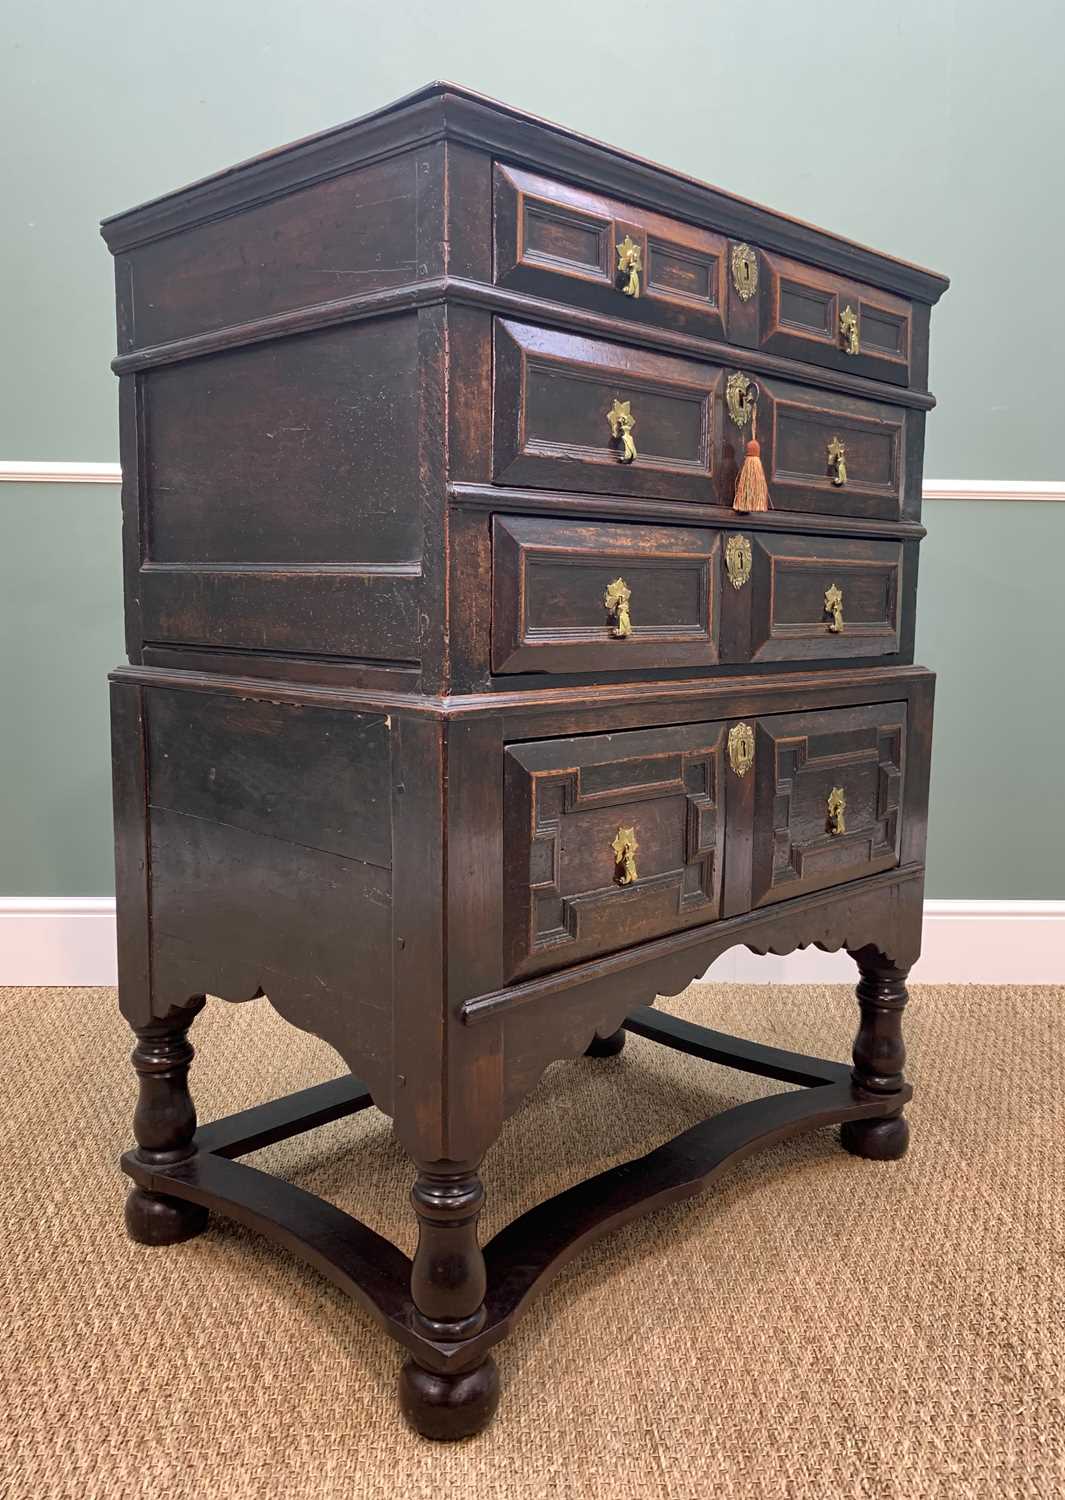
(827, 798)
(616, 838)
(610, 839)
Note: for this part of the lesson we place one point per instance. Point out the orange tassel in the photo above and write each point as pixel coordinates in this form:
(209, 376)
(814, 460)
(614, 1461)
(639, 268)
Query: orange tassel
(752, 492)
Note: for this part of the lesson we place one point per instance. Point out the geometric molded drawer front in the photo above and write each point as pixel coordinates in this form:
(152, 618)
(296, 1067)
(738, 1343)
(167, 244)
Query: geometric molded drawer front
(570, 805)
(800, 312)
(550, 580)
(791, 579)
(560, 241)
(553, 393)
(802, 431)
(803, 762)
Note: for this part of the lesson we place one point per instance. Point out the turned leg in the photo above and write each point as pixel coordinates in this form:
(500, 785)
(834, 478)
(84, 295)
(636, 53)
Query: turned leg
(447, 1287)
(606, 1046)
(164, 1123)
(879, 1056)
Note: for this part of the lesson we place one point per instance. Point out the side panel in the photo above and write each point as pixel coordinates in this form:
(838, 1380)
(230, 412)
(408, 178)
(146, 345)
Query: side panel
(302, 450)
(280, 496)
(270, 852)
(348, 235)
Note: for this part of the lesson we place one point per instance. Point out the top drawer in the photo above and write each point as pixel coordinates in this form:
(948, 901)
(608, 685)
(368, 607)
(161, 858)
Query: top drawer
(566, 243)
(569, 244)
(804, 313)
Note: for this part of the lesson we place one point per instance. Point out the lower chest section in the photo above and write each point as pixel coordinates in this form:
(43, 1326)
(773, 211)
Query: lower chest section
(314, 848)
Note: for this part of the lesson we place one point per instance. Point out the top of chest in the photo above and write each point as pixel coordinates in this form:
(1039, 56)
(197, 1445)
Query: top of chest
(449, 194)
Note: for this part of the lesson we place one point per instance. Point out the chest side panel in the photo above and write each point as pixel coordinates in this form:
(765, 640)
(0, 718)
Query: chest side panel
(281, 499)
(270, 857)
(349, 235)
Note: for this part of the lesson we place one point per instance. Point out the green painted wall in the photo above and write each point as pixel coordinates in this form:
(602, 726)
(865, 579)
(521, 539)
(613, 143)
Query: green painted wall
(60, 634)
(989, 622)
(933, 131)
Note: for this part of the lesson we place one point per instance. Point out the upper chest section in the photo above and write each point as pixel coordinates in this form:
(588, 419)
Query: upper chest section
(449, 195)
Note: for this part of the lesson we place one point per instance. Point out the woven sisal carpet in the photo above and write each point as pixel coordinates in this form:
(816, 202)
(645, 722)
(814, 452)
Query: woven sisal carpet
(815, 1326)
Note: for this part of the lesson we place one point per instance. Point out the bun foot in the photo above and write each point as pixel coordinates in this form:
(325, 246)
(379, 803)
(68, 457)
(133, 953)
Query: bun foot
(156, 1219)
(448, 1408)
(607, 1046)
(876, 1140)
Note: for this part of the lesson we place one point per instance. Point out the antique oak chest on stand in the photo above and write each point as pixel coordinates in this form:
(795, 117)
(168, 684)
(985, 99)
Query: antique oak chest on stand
(464, 713)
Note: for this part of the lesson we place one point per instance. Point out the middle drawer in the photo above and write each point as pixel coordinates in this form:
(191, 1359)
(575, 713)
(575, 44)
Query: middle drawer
(576, 596)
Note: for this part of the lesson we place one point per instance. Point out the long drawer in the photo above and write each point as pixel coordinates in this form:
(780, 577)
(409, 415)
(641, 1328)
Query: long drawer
(575, 413)
(571, 596)
(569, 244)
(616, 838)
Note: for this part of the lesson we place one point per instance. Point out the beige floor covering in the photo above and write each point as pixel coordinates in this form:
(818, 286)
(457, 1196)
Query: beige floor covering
(815, 1326)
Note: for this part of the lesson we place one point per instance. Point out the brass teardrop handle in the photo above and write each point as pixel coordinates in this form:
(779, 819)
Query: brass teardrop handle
(837, 462)
(616, 599)
(848, 330)
(837, 806)
(622, 422)
(630, 264)
(834, 607)
(625, 846)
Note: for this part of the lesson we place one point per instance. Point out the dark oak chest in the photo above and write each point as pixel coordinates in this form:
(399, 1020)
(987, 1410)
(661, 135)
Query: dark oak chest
(464, 714)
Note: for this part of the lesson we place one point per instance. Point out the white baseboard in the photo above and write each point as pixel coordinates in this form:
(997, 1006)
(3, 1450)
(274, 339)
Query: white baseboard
(57, 940)
(965, 942)
(60, 471)
(71, 941)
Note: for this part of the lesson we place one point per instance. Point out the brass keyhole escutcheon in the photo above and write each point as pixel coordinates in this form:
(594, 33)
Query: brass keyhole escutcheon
(837, 461)
(630, 264)
(741, 748)
(738, 560)
(617, 599)
(837, 806)
(740, 398)
(744, 272)
(625, 846)
(622, 422)
(834, 607)
(848, 330)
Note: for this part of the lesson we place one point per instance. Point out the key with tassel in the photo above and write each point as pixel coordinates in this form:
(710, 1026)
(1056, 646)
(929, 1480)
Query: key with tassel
(752, 491)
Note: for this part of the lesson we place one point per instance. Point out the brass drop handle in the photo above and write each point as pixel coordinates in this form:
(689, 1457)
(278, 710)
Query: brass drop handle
(834, 607)
(616, 600)
(848, 330)
(837, 806)
(622, 422)
(625, 846)
(630, 264)
(837, 462)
